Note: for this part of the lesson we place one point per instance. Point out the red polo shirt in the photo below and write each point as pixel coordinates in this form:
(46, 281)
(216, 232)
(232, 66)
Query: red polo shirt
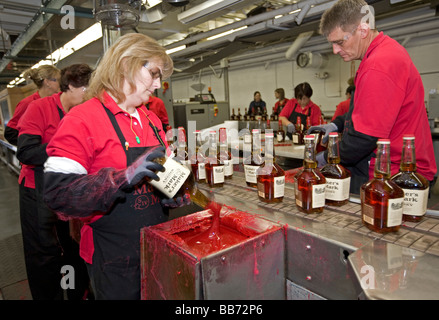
(87, 136)
(21, 108)
(310, 109)
(157, 106)
(389, 102)
(341, 108)
(41, 118)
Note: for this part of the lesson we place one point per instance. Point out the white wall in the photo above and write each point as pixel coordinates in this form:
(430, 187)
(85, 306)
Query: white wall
(267, 77)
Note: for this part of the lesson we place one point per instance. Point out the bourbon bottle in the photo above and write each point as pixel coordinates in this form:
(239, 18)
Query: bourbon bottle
(233, 116)
(414, 185)
(270, 176)
(182, 152)
(280, 133)
(381, 198)
(298, 134)
(239, 116)
(310, 184)
(198, 160)
(253, 160)
(338, 178)
(214, 169)
(224, 154)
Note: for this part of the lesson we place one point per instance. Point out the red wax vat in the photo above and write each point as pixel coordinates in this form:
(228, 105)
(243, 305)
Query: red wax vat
(247, 263)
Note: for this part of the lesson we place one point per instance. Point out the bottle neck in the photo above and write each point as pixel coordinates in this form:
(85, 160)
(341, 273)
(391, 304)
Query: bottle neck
(269, 150)
(309, 160)
(333, 150)
(382, 164)
(408, 157)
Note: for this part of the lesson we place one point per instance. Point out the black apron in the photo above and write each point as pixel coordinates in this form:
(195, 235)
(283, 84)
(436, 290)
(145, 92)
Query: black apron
(115, 272)
(293, 119)
(359, 172)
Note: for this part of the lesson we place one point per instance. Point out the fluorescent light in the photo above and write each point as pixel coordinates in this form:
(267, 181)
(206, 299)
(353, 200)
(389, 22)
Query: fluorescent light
(84, 38)
(204, 9)
(225, 33)
(176, 49)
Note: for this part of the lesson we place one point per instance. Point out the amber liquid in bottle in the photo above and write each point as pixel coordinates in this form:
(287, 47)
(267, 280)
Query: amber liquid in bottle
(381, 198)
(280, 133)
(198, 160)
(310, 184)
(270, 176)
(214, 169)
(224, 154)
(252, 160)
(338, 178)
(414, 185)
(298, 135)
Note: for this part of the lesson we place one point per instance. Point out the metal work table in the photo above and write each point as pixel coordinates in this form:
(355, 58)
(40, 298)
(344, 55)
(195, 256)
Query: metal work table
(333, 256)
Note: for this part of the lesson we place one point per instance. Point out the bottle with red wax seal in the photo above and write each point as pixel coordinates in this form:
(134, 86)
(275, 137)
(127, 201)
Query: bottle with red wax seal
(270, 176)
(381, 198)
(414, 185)
(198, 159)
(310, 184)
(280, 133)
(338, 178)
(214, 168)
(225, 155)
(298, 134)
(252, 160)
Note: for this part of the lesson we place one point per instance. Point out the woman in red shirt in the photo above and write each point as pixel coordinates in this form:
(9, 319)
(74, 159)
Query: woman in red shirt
(101, 159)
(46, 241)
(301, 107)
(46, 78)
(279, 94)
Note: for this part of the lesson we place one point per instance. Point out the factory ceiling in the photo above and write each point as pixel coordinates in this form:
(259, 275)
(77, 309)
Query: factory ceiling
(31, 30)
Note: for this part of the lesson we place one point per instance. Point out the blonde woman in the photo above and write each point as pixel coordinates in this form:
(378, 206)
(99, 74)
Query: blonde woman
(98, 158)
(46, 78)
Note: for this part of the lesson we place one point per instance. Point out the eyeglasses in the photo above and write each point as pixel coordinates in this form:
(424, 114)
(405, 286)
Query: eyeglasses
(53, 79)
(346, 37)
(155, 74)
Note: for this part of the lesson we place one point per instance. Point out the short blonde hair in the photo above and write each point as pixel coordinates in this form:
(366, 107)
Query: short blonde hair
(345, 14)
(123, 60)
(37, 75)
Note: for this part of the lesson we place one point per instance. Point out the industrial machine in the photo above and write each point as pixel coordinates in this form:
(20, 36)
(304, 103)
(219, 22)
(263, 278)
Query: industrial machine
(203, 109)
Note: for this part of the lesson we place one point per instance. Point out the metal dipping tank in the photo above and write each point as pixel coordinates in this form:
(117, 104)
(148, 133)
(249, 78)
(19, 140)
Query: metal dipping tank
(253, 268)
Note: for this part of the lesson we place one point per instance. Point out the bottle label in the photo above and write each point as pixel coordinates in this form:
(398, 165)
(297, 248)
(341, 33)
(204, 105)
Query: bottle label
(337, 189)
(394, 212)
(279, 186)
(298, 194)
(367, 213)
(218, 174)
(250, 173)
(280, 138)
(318, 195)
(415, 202)
(247, 138)
(201, 171)
(295, 138)
(228, 167)
(172, 179)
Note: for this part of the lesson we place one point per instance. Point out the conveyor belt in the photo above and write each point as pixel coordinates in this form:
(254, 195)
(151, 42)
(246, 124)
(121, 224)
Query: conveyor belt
(422, 236)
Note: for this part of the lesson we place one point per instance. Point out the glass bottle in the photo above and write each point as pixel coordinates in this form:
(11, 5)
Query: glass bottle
(381, 198)
(270, 176)
(233, 116)
(414, 185)
(246, 115)
(225, 155)
(310, 184)
(214, 169)
(280, 133)
(239, 116)
(198, 159)
(298, 134)
(253, 161)
(182, 152)
(338, 178)
(171, 141)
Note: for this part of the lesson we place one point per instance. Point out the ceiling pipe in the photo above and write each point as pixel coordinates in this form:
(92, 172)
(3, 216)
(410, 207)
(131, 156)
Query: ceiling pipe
(298, 44)
(249, 21)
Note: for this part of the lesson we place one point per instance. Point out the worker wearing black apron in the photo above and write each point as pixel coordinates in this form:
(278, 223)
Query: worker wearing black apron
(293, 119)
(115, 271)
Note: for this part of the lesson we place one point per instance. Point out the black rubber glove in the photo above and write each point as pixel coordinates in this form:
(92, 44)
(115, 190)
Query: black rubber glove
(144, 167)
(326, 128)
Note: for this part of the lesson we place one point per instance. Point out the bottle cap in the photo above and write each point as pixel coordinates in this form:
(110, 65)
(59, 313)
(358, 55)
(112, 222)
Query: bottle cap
(269, 135)
(255, 131)
(408, 137)
(333, 134)
(309, 137)
(383, 141)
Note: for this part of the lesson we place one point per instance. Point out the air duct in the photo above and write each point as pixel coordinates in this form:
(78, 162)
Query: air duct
(298, 44)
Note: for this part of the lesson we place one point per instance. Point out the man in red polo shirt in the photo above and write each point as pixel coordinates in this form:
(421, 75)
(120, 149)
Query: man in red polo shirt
(388, 99)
